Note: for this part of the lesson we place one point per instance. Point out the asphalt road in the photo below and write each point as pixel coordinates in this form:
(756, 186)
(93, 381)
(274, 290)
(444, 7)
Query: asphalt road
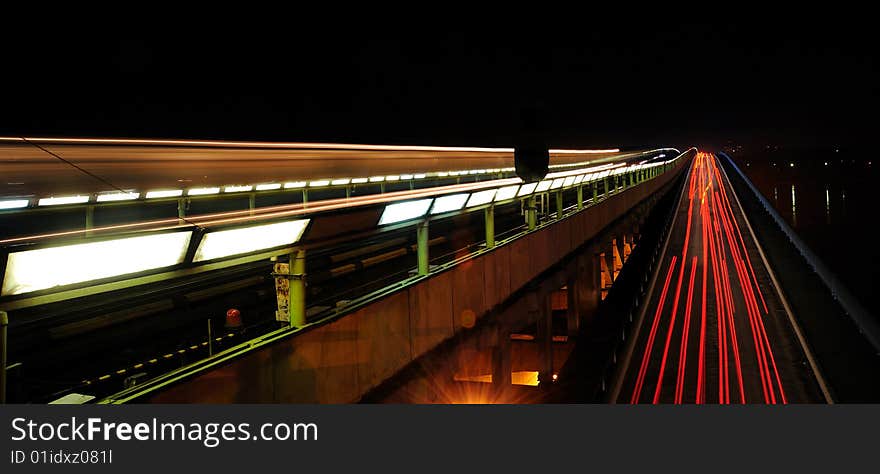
(714, 329)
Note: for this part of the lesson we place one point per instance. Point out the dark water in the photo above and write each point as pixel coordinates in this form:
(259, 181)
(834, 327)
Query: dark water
(830, 198)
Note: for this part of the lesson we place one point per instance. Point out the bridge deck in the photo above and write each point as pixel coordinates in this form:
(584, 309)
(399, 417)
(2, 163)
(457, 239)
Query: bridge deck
(715, 329)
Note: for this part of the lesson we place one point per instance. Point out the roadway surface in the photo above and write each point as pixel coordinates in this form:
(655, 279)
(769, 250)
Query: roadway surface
(714, 329)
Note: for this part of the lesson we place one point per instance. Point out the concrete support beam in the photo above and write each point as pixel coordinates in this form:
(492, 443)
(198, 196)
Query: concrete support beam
(501, 363)
(606, 277)
(572, 312)
(617, 261)
(539, 307)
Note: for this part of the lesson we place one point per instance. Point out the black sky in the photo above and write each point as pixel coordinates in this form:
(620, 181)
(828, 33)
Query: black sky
(618, 84)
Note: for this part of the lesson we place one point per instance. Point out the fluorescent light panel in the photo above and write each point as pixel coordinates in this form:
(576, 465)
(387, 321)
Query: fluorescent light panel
(238, 189)
(112, 197)
(40, 269)
(164, 193)
(14, 204)
(507, 192)
(57, 201)
(543, 186)
(268, 186)
(526, 189)
(481, 197)
(202, 191)
(452, 202)
(226, 243)
(404, 211)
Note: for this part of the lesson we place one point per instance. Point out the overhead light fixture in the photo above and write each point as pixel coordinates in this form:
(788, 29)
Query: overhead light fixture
(294, 184)
(29, 270)
(318, 183)
(568, 181)
(404, 211)
(113, 197)
(13, 204)
(377, 179)
(268, 186)
(340, 182)
(557, 183)
(359, 180)
(238, 189)
(57, 201)
(226, 243)
(202, 191)
(164, 193)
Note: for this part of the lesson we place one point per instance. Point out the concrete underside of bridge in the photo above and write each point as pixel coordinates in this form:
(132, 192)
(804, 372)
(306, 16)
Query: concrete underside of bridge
(343, 359)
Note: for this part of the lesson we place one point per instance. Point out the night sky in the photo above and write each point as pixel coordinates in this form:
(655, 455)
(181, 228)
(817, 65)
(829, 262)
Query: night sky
(628, 85)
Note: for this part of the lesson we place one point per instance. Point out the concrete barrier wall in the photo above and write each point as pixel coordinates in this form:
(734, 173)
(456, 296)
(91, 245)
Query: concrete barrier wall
(340, 361)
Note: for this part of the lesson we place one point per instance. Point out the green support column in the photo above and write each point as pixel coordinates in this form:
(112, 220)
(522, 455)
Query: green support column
(490, 226)
(4, 321)
(531, 211)
(305, 196)
(559, 204)
(181, 208)
(595, 186)
(580, 191)
(298, 288)
(607, 187)
(422, 247)
(252, 202)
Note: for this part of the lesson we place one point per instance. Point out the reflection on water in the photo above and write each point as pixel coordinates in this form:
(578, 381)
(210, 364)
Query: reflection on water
(831, 202)
(827, 206)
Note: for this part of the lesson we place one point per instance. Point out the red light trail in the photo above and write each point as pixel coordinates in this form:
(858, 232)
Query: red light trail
(729, 298)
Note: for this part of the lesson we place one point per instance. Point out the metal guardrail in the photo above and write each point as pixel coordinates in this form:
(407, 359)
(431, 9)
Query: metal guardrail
(864, 320)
